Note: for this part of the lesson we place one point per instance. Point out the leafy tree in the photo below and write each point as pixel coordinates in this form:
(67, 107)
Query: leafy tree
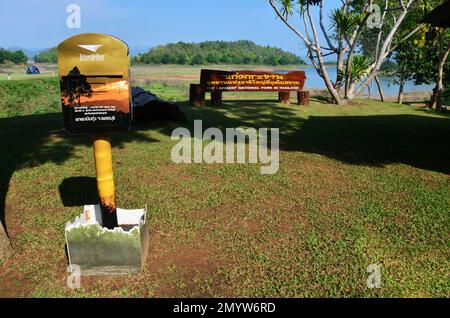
(225, 59)
(48, 56)
(423, 57)
(182, 59)
(343, 40)
(197, 60)
(17, 57)
(237, 58)
(213, 58)
(272, 60)
(389, 67)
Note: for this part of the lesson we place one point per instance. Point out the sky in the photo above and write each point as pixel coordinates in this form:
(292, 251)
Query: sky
(32, 24)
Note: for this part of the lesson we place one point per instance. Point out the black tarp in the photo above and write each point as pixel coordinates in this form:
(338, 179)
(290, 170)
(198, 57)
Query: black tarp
(147, 107)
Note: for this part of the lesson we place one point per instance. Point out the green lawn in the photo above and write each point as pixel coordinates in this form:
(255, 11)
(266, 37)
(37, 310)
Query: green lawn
(18, 72)
(358, 185)
(19, 76)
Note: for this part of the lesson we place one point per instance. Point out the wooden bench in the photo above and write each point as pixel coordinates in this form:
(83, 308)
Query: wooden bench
(216, 82)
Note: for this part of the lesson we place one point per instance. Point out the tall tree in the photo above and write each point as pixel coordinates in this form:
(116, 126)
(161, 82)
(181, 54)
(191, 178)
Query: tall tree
(349, 21)
(424, 56)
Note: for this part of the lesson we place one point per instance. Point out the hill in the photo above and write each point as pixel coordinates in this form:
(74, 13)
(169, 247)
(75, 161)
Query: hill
(218, 52)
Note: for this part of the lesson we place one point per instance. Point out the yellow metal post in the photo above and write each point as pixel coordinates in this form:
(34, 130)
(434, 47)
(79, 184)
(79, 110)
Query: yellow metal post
(105, 180)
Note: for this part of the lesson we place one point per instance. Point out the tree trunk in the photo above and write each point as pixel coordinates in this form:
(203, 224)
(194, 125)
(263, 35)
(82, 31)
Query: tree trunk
(400, 88)
(433, 98)
(436, 101)
(380, 90)
(340, 68)
(400, 93)
(5, 245)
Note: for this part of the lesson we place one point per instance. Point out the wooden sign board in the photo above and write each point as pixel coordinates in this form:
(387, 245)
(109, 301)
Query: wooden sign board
(216, 82)
(95, 85)
(252, 81)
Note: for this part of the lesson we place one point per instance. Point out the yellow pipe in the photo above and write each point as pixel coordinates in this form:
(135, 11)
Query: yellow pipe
(105, 179)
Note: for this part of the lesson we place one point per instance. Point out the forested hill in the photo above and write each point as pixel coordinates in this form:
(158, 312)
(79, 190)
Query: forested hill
(217, 52)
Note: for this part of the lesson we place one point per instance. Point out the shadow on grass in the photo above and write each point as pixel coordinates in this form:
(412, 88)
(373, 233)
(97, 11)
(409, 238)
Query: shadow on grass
(78, 191)
(417, 140)
(30, 141)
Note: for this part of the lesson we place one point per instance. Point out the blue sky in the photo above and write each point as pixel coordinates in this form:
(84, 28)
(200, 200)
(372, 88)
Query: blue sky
(42, 23)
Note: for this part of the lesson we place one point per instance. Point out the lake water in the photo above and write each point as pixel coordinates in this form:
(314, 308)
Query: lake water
(313, 80)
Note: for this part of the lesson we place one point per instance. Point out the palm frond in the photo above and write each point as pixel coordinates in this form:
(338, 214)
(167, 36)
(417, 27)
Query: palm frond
(342, 22)
(360, 67)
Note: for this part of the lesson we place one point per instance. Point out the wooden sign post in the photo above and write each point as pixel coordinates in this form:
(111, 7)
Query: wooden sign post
(95, 96)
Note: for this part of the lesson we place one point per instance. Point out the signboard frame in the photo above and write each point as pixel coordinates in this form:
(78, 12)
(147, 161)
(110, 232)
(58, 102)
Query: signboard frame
(218, 81)
(252, 81)
(94, 73)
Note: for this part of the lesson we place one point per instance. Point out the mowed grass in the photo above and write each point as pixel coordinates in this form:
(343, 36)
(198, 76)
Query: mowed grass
(362, 184)
(18, 72)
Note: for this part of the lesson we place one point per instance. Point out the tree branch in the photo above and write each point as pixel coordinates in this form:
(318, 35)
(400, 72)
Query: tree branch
(306, 27)
(410, 34)
(383, 17)
(384, 49)
(324, 31)
(290, 26)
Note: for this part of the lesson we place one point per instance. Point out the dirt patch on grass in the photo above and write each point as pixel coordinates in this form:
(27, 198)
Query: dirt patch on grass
(161, 175)
(183, 269)
(13, 283)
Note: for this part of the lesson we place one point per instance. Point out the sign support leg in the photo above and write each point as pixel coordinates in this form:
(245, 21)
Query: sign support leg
(216, 97)
(197, 95)
(284, 97)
